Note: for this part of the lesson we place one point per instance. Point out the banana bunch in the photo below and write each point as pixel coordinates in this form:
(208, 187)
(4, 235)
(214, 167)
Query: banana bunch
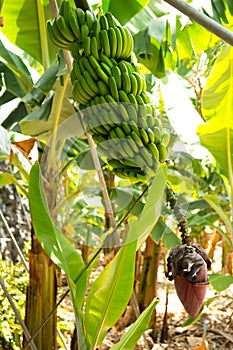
(111, 91)
(91, 34)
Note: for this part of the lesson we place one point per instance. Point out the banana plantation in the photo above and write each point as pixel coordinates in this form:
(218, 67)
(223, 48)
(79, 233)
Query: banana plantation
(116, 174)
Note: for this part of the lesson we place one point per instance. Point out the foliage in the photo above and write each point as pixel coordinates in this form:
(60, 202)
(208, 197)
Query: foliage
(15, 278)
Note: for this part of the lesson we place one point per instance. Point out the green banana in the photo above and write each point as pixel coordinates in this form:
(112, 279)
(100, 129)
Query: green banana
(120, 133)
(84, 31)
(135, 128)
(150, 120)
(65, 11)
(64, 29)
(114, 118)
(78, 96)
(165, 138)
(116, 163)
(154, 150)
(80, 62)
(75, 48)
(74, 25)
(73, 76)
(87, 65)
(150, 135)
(105, 59)
(113, 134)
(80, 16)
(105, 114)
(96, 33)
(140, 161)
(99, 139)
(139, 82)
(134, 84)
(122, 112)
(130, 43)
(157, 134)
(135, 147)
(145, 98)
(139, 100)
(87, 83)
(162, 152)
(158, 123)
(93, 61)
(105, 42)
(136, 138)
(54, 39)
(126, 128)
(129, 151)
(90, 19)
(103, 88)
(129, 67)
(127, 46)
(144, 136)
(114, 62)
(77, 69)
(58, 35)
(94, 47)
(119, 42)
(132, 112)
(112, 22)
(87, 46)
(101, 130)
(133, 100)
(62, 8)
(126, 83)
(116, 73)
(103, 22)
(106, 69)
(113, 88)
(123, 97)
(112, 41)
(102, 75)
(147, 156)
(123, 67)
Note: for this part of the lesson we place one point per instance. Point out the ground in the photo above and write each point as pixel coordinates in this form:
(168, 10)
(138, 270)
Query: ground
(218, 324)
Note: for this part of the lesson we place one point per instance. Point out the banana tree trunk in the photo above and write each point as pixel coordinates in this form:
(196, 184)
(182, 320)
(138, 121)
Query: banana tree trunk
(148, 280)
(41, 297)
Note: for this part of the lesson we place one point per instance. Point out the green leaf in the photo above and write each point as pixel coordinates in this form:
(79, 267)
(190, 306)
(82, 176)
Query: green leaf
(217, 108)
(17, 66)
(60, 111)
(7, 179)
(152, 209)
(123, 14)
(162, 231)
(42, 87)
(111, 292)
(220, 282)
(11, 81)
(25, 26)
(18, 113)
(52, 240)
(136, 330)
(211, 200)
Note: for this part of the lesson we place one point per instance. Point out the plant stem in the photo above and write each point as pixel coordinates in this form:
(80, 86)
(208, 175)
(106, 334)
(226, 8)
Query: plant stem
(205, 21)
(230, 171)
(43, 35)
